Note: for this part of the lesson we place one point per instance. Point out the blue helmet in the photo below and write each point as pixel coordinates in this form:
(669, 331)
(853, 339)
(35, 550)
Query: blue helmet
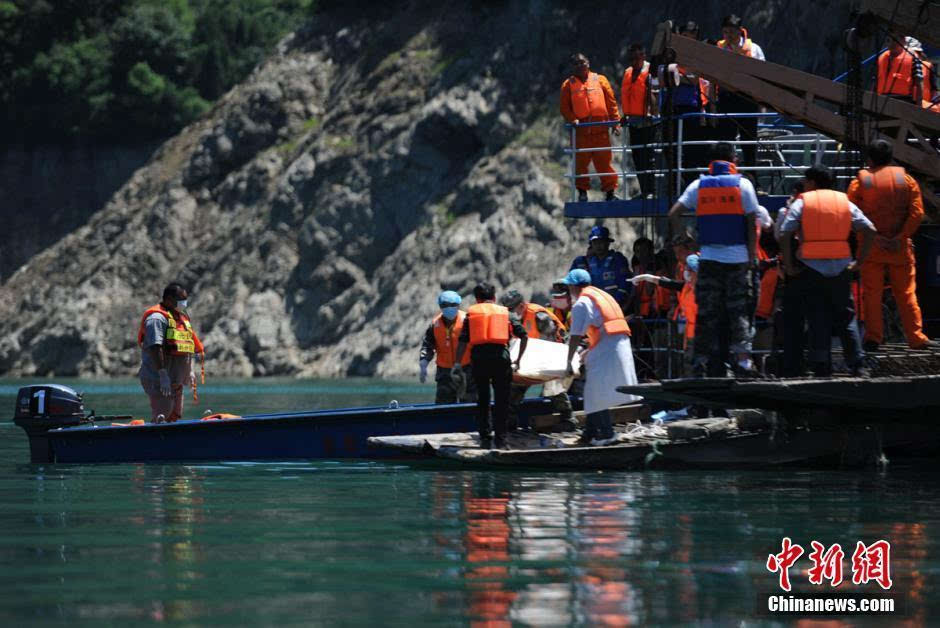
(577, 277)
(448, 298)
(600, 233)
(691, 262)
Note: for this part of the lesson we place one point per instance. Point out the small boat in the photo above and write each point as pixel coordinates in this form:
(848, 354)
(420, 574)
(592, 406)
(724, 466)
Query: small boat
(54, 419)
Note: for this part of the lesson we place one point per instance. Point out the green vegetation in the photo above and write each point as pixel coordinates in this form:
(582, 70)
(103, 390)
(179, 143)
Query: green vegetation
(134, 69)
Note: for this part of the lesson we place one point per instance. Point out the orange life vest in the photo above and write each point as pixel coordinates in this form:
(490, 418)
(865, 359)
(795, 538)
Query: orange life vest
(633, 91)
(445, 341)
(885, 198)
(664, 299)
(531, 328)
(180, 338)
(927, 92)
(489, 324)
(827, 223)
(768, 290)
(747, 50)
(895, 74)
(688, 308)
(587, 99)
(562, 315)
(645, 292)
(614, 322)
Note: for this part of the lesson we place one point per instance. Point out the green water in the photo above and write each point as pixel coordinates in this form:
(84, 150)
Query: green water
(355, 542)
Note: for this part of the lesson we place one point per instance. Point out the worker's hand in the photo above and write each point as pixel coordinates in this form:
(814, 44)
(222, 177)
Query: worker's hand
(852, 267)
(576, 122)
(515, 364)
(645, 277)
(617, 131)
(423, 371)
(623, 120)
(165, 388)
(192, 379)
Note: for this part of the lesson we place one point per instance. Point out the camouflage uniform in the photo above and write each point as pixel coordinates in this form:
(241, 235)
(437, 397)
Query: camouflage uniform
(725, 295)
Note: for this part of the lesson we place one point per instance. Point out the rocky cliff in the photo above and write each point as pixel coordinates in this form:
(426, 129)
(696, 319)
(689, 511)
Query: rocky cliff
(376, 158)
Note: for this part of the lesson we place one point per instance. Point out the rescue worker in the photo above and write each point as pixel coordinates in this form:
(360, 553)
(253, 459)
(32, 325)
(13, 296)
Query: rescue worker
(539, 322)
(168, 344)
(735, 39)
(928, 77)
(588, 97)
(793, 310)
(638, 100)
(487, 331)
(891, 199)
(560, 303)
(609, 359)
(900, 73)
(645, 337)
(690, 97)
(821, 272)
(725, 207)
(609, 270)
(686, 310)
(440, 340)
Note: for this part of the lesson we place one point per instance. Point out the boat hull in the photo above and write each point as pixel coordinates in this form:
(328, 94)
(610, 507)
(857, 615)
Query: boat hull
(321, 434)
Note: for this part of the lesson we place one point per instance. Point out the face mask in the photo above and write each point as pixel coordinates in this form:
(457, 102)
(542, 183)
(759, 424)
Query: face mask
(182, 304)
(560, 303)
(450, 313)
(687, 275)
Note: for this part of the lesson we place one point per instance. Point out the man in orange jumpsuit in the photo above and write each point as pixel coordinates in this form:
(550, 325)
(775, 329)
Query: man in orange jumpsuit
(891, 199)
(587, 97)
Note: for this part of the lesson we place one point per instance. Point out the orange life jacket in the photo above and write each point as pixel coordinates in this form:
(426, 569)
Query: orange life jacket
(927, 92)
(895, 74)
(180, 338)
(614, 322)
(489, 324)
(562, 315)
(747, 50)
(688, 308)
(531, 328)
(664, 299)
(445, 340)
(885, 198)
(827, 223)
(768, 290)
(680, 276)
(587, 99)
(633, 91)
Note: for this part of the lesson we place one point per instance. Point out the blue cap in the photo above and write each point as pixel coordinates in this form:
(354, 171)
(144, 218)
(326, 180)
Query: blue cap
(691, 262)
(577, 277)
(448, 297)
(599, 232)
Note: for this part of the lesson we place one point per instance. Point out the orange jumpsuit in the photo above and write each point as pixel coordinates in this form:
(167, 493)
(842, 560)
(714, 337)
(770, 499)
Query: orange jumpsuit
(591, 101)
(891, 199)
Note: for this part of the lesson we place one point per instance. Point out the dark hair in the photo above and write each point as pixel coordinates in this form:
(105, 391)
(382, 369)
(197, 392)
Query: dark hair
(642, 240)
(820, 175)
(636, 47)
(880, 152)
(690, 27)
(576, 58)
(723, 151)
(731, 20)
(173, 290)
(798, 188)
(484, 291)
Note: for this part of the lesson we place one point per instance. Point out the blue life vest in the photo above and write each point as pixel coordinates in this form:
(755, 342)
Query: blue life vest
(609, 274)
(719, 212)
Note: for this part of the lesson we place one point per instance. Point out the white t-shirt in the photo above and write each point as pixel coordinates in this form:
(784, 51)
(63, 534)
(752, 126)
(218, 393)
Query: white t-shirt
(724, 253)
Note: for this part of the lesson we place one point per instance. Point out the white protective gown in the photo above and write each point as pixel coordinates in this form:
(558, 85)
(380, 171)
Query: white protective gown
(609, 363)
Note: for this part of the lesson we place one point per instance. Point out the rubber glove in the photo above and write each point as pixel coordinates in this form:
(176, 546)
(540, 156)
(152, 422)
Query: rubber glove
(165, 388)
(640, 278)
(423, 366)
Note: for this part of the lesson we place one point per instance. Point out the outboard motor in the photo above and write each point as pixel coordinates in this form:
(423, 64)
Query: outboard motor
(45, 407)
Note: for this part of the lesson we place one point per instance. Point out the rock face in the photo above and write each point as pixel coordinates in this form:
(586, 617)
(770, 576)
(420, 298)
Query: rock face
(369, 163)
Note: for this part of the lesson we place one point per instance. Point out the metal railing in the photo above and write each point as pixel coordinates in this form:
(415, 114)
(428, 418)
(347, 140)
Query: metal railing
(813, 147)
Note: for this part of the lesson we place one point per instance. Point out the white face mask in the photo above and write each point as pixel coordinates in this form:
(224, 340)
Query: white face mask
(560, 303)
(182, 304)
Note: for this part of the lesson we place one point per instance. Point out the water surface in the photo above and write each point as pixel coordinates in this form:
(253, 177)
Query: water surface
(356, 542)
